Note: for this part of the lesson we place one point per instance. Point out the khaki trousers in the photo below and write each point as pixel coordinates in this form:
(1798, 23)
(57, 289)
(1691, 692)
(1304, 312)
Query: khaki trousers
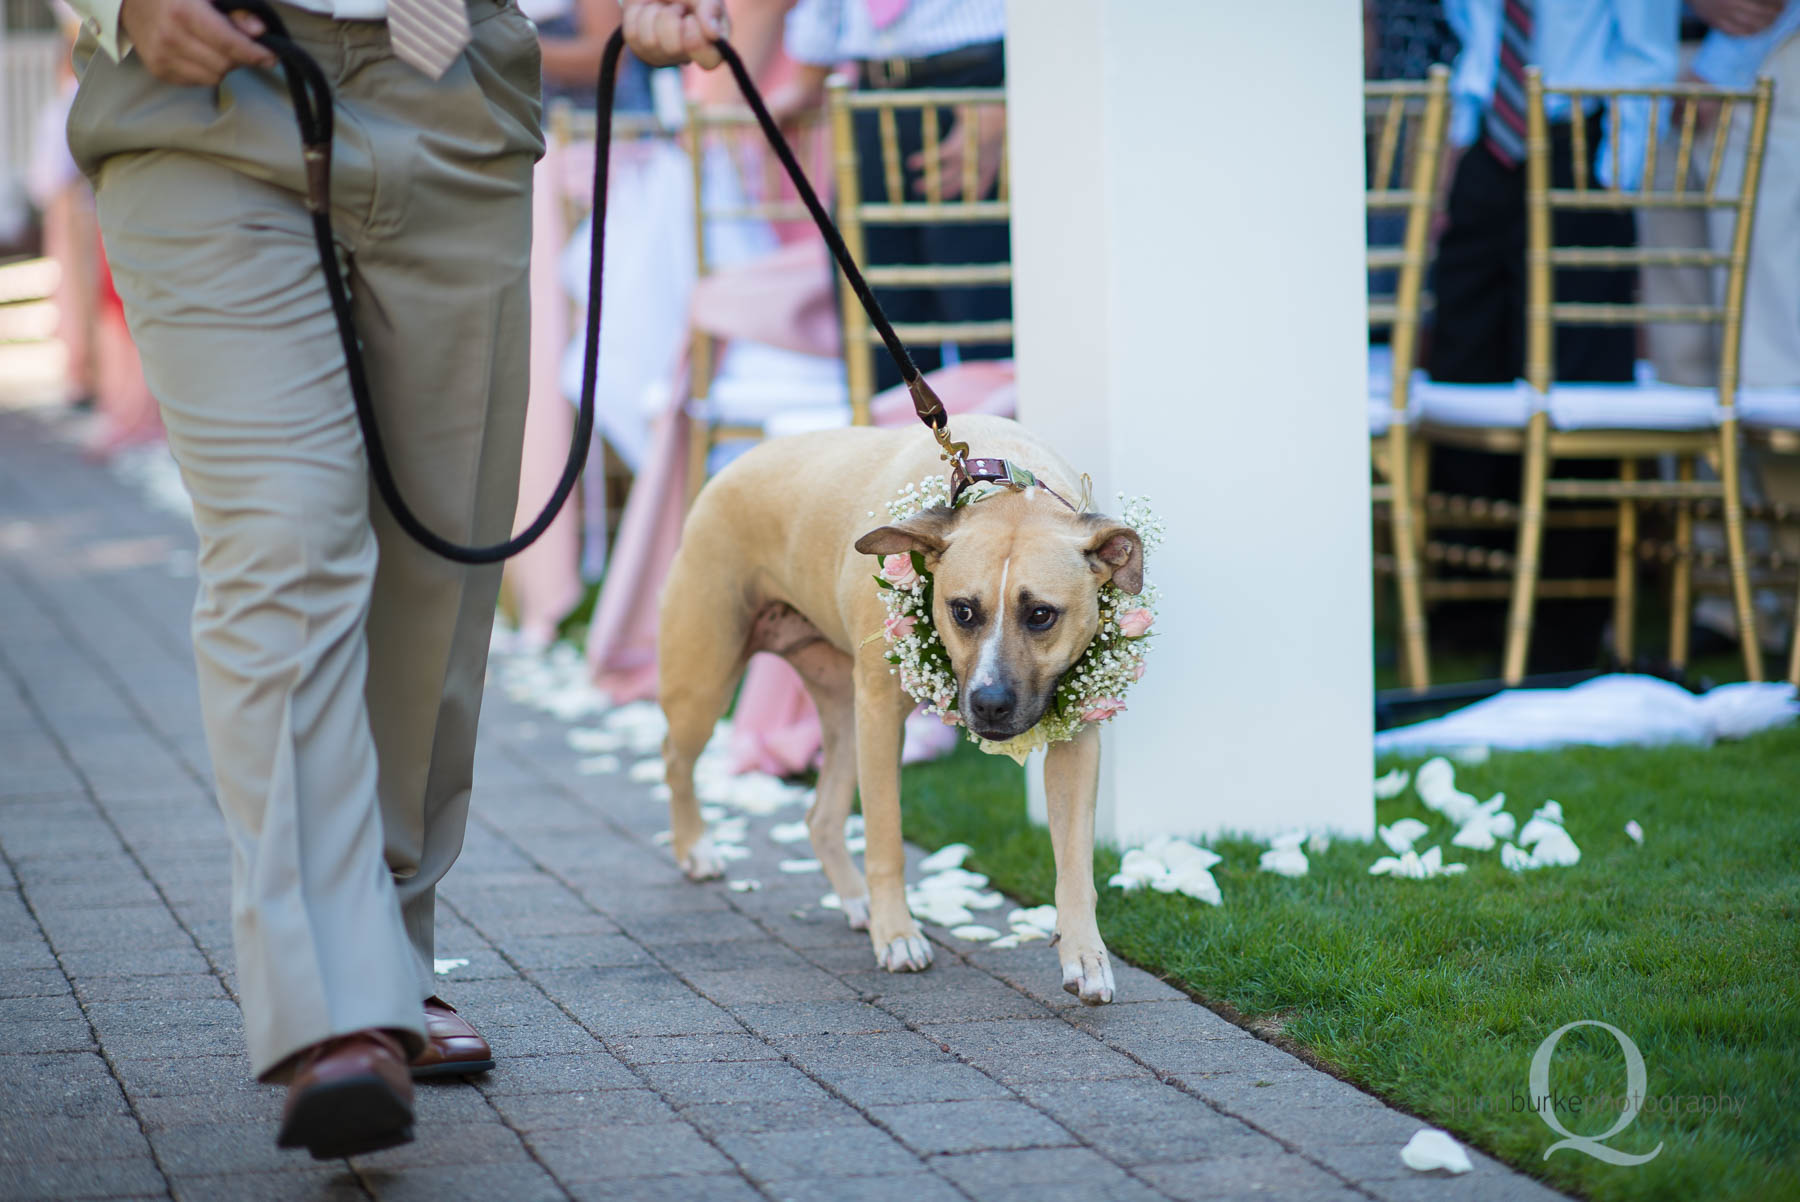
(340, 665)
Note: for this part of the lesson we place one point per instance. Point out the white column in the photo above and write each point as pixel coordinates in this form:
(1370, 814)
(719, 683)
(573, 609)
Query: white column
(1191, 306)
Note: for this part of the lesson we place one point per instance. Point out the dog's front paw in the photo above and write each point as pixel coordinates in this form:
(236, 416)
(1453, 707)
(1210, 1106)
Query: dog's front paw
(899, 947)
(1087, 973)
(856, 912)
(702, 862)
(907, 953)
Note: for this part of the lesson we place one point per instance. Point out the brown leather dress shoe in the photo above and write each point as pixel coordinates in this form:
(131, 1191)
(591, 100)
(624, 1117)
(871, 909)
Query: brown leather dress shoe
(348, 1096)
(453, 1048)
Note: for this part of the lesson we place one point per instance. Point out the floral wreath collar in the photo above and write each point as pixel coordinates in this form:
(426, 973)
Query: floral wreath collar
(1092, 690)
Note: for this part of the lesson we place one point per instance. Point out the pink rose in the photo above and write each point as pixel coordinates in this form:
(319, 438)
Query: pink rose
(1137, 670)
(1100, 709)
(1134, 623)
(897, 570)
(898, 626)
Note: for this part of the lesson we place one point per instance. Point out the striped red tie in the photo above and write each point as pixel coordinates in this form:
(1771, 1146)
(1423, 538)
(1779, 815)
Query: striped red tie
(1505, 130)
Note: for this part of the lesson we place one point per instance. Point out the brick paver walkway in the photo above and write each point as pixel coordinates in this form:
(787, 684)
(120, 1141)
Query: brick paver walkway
(656, 1039)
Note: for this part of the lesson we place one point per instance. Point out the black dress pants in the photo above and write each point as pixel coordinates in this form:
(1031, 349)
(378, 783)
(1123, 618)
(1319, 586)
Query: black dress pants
(1478, 337)
(920, 244)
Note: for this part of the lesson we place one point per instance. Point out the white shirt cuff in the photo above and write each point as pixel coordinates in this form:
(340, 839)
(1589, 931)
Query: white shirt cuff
(101, 18)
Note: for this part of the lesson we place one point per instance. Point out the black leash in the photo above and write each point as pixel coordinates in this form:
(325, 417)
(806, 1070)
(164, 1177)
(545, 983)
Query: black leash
(312, 109)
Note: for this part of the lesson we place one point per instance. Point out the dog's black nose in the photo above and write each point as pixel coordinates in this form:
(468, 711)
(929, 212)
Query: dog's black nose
(991, 705)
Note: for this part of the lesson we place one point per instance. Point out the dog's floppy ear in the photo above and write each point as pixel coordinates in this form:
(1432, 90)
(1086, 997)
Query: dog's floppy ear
(927, 532)
(1116, 553)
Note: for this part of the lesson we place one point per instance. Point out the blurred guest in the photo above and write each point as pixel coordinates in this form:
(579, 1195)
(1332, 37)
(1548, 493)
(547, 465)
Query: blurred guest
(1742, 39)
(1747, 38)
(102, 362)
(543, 583)
(1480, 276)
(916, 44)
(1479, 329)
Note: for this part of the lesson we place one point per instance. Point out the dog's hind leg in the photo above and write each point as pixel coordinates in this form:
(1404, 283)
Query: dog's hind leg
(827, 673)
(700, 657)
(1071, 780)
(880, 719)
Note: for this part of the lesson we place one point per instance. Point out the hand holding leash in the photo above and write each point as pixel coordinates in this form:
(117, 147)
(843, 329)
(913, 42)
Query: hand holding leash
(665, 33)
(673, 31)
(190, 43)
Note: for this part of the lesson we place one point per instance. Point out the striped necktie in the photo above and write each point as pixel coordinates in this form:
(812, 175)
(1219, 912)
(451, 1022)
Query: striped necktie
(429, 34)
(1505, 130)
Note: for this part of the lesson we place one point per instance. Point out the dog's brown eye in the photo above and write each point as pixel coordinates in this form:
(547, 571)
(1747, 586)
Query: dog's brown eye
(963, 612)
(1041, 617)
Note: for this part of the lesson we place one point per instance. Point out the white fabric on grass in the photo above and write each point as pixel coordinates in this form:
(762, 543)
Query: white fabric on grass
(1608, 711)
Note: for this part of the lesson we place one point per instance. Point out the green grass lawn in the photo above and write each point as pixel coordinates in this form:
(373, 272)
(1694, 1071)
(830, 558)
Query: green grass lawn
(1432, 992)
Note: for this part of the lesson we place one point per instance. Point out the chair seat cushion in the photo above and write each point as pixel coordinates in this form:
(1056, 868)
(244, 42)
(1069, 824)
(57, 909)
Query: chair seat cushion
(1570, 406)
(1770, 408)
(1507, 406)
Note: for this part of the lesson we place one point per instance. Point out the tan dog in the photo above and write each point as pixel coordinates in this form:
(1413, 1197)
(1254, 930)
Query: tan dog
(776, 556)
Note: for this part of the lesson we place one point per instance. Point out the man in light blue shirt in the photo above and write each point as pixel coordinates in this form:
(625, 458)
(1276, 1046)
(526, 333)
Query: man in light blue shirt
(1478, 334)
(1480, 284)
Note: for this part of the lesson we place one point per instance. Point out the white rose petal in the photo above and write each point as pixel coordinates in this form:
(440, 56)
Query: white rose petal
(747, 885)
(1475, 753)
(1199, 884)
(1392, 785)
(593, 741)
(799, 866)
(1434, 1149)
(1285, 861)
(1555, 851)
(1042, 918)
(789, 832)
(953, 878)
(1477, 835)
(943, 914)
(949, 856)
(1412, 866)
(1635, 832)
(440, 967)
(1402, 835)
(975, 933)
(1005, 941)
(646, 772)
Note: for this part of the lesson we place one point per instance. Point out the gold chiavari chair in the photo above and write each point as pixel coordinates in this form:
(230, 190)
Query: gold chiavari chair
(1404, 123)
(1623, 422)
(893, 205)
(761, 193)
